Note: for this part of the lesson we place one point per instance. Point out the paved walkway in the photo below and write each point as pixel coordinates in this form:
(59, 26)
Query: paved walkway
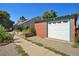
(32, 49)
(8, 50)
(57, 44)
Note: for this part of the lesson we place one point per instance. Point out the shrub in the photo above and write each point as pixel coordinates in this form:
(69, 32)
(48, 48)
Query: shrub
(8, 36)
(4, 36)
(2, 29)
(33, 30)
(27, 27)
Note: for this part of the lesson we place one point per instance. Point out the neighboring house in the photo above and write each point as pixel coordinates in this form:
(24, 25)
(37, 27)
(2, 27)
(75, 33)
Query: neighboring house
(27, 23)
(62, 28)
(21, 19)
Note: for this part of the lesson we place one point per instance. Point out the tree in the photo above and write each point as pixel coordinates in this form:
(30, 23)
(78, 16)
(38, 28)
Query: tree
(5, 19)
(49, 14)
(22, 19)
(53, 13)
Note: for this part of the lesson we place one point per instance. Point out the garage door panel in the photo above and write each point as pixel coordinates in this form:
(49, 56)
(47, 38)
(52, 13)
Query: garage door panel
(59, 31)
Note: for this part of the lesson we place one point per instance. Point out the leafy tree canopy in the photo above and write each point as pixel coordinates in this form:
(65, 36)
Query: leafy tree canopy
(5, 19)
(49, 14)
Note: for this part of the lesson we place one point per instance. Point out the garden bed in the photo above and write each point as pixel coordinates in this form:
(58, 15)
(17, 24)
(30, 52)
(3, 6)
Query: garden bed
(29, 34)
(6, 42)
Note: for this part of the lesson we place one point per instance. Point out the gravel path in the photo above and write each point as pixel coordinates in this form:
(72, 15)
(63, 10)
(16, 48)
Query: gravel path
(8, 50)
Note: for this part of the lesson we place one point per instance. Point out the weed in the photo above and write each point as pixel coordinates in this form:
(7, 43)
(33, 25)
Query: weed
(21, 51)
(75, 45)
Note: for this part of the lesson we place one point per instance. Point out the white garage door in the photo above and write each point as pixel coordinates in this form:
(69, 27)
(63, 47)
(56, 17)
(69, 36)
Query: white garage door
(59, 31)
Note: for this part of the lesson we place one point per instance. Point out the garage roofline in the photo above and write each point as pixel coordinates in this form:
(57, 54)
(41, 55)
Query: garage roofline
(60, 18)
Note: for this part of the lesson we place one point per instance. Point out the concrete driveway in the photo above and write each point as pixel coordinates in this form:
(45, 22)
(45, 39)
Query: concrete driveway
(8, 50)
(33, 49)
(59, 45)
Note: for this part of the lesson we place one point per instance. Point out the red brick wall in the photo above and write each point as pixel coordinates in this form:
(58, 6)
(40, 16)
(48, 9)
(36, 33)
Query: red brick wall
(73, 29)
(40, 29)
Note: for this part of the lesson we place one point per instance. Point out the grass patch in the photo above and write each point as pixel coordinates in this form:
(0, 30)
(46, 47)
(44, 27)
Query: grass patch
(51, 49)
(39, 44)
(17, 30)
(75, 45)
(21, 51)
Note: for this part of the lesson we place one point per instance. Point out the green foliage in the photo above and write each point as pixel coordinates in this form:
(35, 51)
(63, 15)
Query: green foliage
(26, 29)
(2, 29)
(53, 13)
(76, 45)
(33, 30)
(17, 30)
(5, 19)
(21, 51)
(49, 14)
(4, 36)
(46, 15)
(8, 36)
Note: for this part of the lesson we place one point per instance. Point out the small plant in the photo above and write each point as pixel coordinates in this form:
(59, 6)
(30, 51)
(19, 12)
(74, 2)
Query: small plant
(2, 29)
(39, 44)
(26, 29)
(21, 51)
(75, 45)
(33, 30)
(4, 36)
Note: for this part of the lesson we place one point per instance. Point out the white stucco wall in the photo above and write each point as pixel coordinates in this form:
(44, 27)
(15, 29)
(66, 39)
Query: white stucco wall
(59, 31)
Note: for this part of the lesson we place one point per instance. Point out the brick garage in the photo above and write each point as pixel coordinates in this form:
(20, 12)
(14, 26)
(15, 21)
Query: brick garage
(41, 29)
(62, 28)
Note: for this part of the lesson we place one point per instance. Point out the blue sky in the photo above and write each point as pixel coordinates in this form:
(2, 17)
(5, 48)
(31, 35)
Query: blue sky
(30, 10)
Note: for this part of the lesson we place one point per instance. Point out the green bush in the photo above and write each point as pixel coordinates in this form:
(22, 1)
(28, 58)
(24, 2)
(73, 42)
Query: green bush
(27, 27)
(33, 30)
(2, 29)
(4, 36)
